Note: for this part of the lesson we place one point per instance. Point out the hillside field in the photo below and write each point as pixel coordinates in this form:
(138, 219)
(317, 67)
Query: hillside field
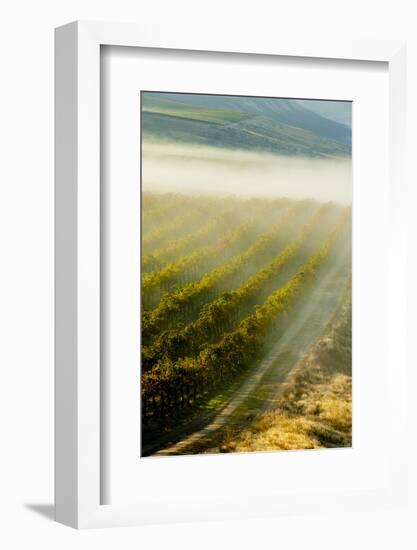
(283, 127)
(237, 294)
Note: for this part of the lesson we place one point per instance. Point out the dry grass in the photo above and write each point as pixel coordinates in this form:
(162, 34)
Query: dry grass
(314, 409)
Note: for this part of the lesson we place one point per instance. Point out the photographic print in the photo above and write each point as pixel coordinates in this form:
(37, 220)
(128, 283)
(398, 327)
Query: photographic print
(246, 308)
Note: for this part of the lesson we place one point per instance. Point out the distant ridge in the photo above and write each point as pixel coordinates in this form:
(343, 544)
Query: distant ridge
(278, 126)
(338, 111)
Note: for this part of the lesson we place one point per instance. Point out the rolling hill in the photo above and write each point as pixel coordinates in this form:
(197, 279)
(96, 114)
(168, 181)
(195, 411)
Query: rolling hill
(262, 124)
(338, 111)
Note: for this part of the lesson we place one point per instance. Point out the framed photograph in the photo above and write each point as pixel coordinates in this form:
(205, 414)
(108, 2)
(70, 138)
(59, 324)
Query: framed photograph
(230, 275)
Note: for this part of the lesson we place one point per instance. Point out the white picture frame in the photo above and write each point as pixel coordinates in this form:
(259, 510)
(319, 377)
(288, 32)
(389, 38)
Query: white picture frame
(77, 393)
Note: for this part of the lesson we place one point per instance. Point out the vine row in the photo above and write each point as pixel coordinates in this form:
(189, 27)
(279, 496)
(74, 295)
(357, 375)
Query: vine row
(183, 303)
(171, 385)
(221, 314)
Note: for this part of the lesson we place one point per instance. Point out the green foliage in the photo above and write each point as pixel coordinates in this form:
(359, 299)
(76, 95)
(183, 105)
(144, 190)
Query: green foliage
(164, 232)
(193, 295)
(184, 259)
(173, 384)
(156, 282)
(220, 314)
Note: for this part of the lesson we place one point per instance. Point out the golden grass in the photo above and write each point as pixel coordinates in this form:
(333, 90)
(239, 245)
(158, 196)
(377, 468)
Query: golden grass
(314, 409)
(320, 418)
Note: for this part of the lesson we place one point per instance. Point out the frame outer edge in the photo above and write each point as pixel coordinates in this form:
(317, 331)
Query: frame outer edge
(400, 251)
(66, 345)
(77, 247)
(88, 275)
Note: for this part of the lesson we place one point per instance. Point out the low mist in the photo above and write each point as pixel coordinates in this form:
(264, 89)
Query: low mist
(168, 167)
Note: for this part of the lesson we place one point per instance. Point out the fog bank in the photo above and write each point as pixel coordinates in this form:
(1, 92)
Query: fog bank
(168, 167)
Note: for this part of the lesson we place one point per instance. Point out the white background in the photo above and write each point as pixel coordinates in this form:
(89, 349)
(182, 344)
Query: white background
(26, 301)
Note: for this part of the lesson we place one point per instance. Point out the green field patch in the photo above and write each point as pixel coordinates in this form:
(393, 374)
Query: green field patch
(184, 111)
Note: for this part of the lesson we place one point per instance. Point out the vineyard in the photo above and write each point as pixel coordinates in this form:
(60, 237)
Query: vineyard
(223, 280)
